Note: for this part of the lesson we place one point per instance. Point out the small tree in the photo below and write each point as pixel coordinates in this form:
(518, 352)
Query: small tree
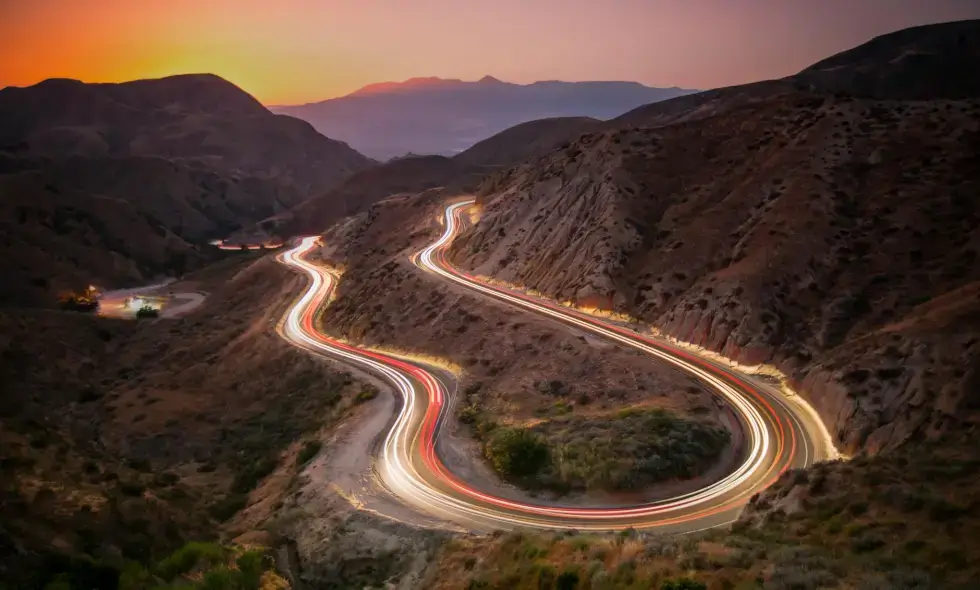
(516, 452)
(147, 312)
(567, 580)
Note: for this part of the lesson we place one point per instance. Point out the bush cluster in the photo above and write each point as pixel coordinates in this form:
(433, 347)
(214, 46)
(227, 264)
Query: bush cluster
(630, 450)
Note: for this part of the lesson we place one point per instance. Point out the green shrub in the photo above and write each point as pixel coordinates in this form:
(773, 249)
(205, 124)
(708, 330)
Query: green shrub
(135, 577)
(681, 584)
(221, 579)
(132, 488)
(567, 580)
(251, 564)
(224, 509)
(546, 577)
(309, 450)
(632, 449)
(249, 477)
(469, 415)
(147, 312)
(190, 556)
(366, 396)
(516, 452)
(166, 479)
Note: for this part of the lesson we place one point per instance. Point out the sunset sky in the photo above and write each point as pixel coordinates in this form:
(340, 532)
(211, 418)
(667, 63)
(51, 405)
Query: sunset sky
(293, 51)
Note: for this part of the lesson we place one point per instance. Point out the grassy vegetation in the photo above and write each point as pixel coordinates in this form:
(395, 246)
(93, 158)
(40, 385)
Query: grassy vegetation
(908, 519)
(368, 394)
(716, 560)
(516, 452)
(629, 450)
(195, 566)
(916, 509)
(309, 450)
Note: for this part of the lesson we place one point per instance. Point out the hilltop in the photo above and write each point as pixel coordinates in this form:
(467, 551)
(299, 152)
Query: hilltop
(121, 183)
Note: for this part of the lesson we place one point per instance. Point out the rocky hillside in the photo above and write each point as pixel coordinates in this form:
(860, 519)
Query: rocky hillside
(835, 236)
(118, 184)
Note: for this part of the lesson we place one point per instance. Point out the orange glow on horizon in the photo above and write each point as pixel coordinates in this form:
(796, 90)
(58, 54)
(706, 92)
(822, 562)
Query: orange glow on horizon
(120, 40)
(294, 51)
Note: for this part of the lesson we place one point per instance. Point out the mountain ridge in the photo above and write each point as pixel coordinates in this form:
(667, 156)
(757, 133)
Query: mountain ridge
(440, 116)
(182, 160)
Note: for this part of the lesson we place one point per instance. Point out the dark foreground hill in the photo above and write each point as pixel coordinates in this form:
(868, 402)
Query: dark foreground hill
(118, 183)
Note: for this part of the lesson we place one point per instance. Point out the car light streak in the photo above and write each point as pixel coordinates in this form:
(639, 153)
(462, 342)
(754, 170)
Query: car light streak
(409, 466)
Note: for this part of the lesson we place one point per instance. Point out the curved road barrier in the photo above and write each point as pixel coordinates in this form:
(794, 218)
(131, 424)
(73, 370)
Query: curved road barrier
(778, 434)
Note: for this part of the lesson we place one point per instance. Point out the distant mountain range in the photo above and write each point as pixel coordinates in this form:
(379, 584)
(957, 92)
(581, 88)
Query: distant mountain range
(440, 116)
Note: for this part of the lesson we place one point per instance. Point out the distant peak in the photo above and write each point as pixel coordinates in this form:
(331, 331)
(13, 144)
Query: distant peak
(489, 80)
(407, 85)
(424, 80)
(60, 82)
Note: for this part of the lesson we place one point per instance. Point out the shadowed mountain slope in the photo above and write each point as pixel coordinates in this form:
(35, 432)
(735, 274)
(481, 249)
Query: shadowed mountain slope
(120, 183)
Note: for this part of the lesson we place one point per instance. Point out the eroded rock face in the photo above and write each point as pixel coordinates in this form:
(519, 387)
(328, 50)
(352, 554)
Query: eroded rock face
(835, 238)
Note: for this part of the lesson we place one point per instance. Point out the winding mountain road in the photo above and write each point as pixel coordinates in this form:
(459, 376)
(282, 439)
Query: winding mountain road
(779, 431)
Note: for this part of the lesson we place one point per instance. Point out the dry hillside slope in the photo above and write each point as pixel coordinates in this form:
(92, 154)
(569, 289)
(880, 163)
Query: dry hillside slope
(835, 236)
